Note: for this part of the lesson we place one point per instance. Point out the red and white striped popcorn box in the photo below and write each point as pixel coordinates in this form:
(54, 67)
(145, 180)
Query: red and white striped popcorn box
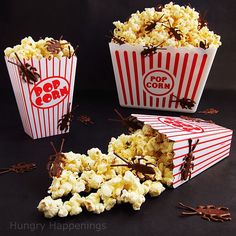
(156, 81)
(213, 146)
(41, 105)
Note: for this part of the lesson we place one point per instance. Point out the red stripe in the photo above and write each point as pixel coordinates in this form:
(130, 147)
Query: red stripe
(40, 71)
(136, 77)
(121, 76)
(128, 77)
(151, 101)
(24, 99)
(205, 154)
(163, 101)
(151, 61)
(199, 76)
(53, 109)
(168, 61)
(143, 64)
(222, 156)
(171, 136)
(58, 106)
(199, 150)
(48, 110)
(176, 63)
(207, 141)
(144, 98)
(186, 132)
(71, 68)
(203, 136)
(191, 74)
(170, 99)
(182, 78)
(159, 59)
(40, 127)
(32, 108)
(157, 102)
(15, 71)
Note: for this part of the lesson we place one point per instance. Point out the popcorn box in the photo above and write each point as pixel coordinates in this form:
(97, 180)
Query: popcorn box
(43, 104)
(213, 146)
(156, 81)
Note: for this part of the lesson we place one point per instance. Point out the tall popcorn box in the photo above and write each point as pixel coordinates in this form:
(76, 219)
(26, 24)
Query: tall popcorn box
(156, 81)
(213, 146)
(42, 104)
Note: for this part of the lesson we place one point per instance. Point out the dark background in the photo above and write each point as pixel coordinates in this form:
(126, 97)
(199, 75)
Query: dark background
(86, 22)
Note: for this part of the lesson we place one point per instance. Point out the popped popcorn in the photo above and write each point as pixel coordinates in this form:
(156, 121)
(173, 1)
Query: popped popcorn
(184, 19)
(37, 49)
(102, 184)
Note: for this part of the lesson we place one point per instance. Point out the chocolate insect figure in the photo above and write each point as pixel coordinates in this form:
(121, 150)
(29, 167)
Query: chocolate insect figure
(151, 25)
(196, 119)
(188, 165)
(159, 7)
(204, 45)
(208, 212)
(174, 31)
(55, 46)
(27, 72)
(137, 166)
(19, 168)
(130, 122)
(65, 122)
(56, 161)
(201, 21)
(75, 50)
(85, 119)
(209, 111)
(185, 103)
(118, 40)
(147, 51)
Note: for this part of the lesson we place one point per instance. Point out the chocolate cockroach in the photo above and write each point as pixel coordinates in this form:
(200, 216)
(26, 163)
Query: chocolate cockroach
(135, 165)
(56, 161)
(55, 46)
(188, 165)
(65, 122)
(174, 31)
(27, 72)
(208, 212)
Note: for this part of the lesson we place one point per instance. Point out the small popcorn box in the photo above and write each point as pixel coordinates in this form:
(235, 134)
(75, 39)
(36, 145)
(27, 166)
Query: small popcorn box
(43, 104)
(164, 79)
(197, 145)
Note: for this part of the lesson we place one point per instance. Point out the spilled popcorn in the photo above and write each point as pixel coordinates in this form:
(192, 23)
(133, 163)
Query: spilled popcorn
(97, 182)
(168, 25)
(43, 48)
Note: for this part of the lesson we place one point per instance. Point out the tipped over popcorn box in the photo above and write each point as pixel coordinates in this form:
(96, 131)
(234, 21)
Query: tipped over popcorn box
(42, 76)
(196, 145)
(162, 57)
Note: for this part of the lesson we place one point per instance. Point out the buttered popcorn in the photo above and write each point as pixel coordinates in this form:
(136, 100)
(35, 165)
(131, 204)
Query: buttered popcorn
(151, 27)
(97, 184)
(39, 49)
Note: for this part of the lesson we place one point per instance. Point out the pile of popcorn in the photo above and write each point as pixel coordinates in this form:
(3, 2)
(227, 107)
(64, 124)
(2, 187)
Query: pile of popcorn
(185, 20)
(96, 185)
(38, 49)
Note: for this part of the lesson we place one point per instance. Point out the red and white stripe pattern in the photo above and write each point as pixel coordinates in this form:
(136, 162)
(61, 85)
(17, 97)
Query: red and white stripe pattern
(188, 67)
(38, 122)
(214, 142)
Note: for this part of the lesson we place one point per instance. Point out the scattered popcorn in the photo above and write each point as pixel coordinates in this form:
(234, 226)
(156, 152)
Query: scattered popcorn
(50, 207)
(152, 28)
(38, 49)
(102, 184)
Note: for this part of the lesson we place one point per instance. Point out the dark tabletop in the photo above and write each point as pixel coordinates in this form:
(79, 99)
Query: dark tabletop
(20, 194)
